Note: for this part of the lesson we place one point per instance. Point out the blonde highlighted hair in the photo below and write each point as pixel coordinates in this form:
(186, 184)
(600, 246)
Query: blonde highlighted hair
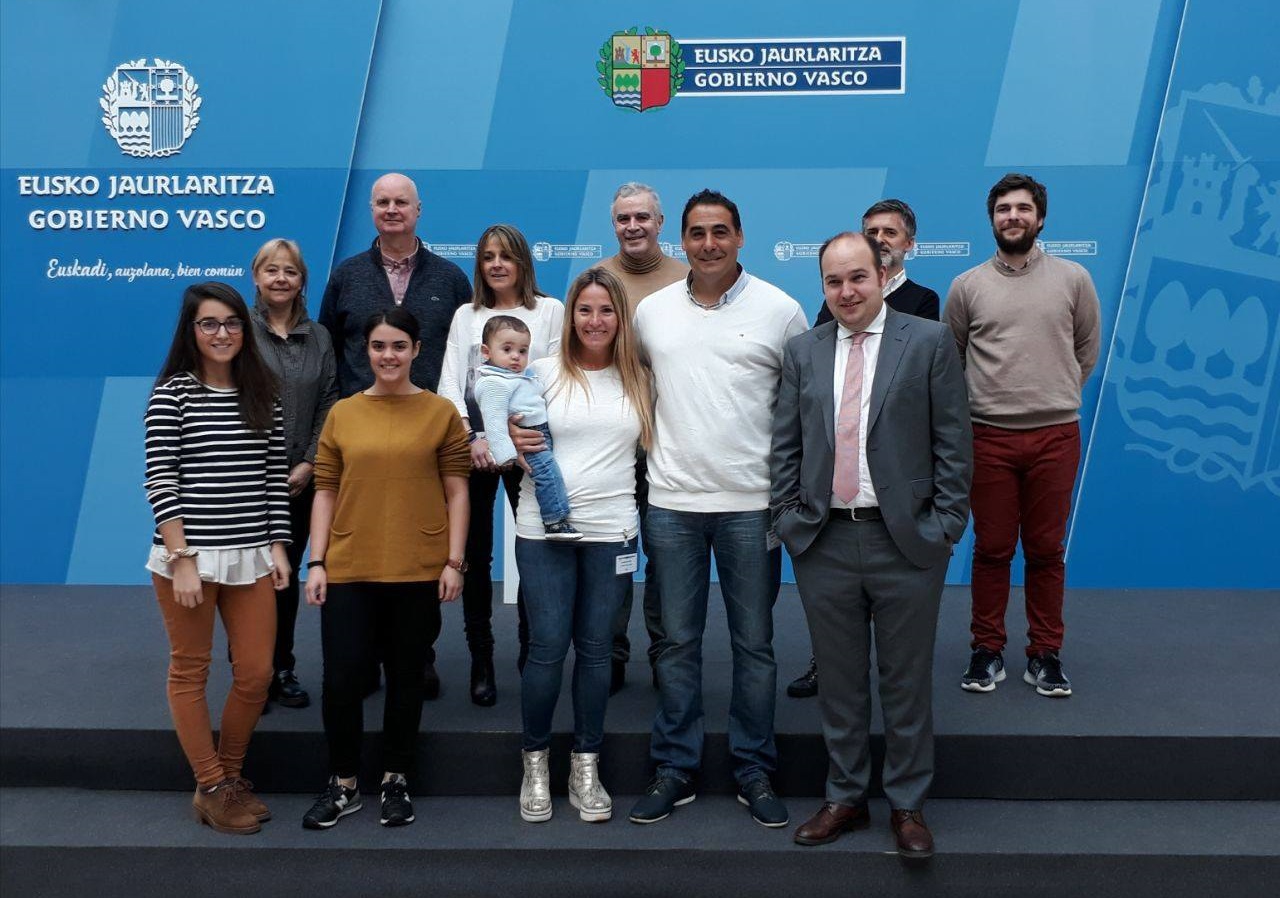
(267, 250)
(626, 352)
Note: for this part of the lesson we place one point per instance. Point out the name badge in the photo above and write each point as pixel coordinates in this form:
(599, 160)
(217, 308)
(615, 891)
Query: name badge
(626, 564)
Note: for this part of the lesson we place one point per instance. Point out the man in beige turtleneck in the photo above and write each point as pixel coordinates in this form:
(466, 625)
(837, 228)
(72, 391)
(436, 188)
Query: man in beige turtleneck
(643, 269)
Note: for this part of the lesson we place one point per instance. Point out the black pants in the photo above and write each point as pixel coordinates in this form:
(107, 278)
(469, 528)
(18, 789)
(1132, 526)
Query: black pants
(287, 599)
(477, 589)
(399, 622)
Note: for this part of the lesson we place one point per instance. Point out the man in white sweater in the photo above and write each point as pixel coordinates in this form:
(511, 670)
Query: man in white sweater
(715, 342)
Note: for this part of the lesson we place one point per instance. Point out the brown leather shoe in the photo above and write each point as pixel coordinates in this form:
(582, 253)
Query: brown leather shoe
(832, 820)
(912, 834)
(217, 806)
(252, 803)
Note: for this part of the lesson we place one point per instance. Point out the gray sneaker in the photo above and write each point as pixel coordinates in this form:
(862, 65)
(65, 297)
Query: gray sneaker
(986, 668)
(1044, 671)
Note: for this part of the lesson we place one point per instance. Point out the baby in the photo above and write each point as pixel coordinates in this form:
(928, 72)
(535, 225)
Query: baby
(503, 389)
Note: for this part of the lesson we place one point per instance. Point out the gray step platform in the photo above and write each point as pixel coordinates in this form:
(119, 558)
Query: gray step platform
(1174, 700)
(56, 842)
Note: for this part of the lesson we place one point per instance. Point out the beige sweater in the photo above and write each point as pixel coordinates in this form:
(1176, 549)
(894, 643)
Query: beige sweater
(1028, 339)
(639, 286)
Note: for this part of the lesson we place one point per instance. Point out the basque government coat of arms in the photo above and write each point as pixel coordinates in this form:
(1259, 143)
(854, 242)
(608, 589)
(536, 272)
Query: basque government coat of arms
(150, 110)
(640, 71)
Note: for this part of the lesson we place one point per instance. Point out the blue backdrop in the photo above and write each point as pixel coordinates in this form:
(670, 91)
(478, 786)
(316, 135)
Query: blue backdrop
(1155, 124)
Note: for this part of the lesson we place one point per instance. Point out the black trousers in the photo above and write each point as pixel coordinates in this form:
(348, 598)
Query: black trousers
(360, 621)
(477, 588)
(287, 599)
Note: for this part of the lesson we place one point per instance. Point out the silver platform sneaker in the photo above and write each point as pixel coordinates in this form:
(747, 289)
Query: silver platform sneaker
(586, 793)
(535, 788)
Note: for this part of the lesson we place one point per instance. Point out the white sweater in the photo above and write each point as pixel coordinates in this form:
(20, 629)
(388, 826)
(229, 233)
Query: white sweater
(462, 351)
(716, 380)
(594, 440)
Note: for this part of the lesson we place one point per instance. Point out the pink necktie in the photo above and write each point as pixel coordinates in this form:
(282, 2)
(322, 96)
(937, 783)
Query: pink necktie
(845, 482)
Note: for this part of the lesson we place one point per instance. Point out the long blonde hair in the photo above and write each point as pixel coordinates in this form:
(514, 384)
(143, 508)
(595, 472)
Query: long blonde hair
(626, 354)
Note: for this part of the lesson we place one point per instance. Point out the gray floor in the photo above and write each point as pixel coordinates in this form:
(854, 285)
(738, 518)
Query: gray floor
(1143, 663)
(39, 817)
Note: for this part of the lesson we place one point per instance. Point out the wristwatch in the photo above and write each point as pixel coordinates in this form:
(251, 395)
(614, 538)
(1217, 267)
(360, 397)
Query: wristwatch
(460, 566)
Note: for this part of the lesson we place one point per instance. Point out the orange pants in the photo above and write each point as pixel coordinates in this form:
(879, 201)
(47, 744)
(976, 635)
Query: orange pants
(249, 617)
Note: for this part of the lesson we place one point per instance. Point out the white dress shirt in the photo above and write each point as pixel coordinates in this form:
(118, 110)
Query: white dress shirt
(866, 497)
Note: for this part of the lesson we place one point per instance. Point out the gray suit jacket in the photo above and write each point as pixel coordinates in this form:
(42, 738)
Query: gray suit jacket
(919, 439)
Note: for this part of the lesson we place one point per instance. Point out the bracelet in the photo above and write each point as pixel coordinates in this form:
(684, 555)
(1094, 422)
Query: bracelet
(184, 552)
(473, 435)
(315, 562)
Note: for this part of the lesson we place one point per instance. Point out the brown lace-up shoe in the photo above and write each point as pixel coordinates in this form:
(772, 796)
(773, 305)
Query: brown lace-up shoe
(830, 821)
(252, 803)
(912, 834)
(217, 806)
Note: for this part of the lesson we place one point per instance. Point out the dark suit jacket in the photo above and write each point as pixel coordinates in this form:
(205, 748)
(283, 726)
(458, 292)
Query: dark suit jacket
(919, 439)
(910, 299)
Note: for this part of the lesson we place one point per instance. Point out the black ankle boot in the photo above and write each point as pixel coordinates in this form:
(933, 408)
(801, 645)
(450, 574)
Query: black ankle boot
(483, 690)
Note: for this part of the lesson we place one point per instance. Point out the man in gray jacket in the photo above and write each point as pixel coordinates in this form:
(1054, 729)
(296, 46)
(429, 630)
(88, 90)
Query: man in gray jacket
(870, 466)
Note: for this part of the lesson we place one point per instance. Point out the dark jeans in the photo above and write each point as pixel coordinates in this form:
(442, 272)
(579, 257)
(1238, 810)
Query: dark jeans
(287, 599)
(398, 621)
(548, 484)
(750, 573)
(652, 601)
(1022, 482)
(572, 593)
(477, 588)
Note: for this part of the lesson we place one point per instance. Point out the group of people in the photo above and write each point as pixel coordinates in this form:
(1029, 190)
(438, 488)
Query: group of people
(686, 406)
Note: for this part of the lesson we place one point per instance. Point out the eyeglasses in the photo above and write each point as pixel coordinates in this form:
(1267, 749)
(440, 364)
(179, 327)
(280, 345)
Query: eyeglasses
(210, 326)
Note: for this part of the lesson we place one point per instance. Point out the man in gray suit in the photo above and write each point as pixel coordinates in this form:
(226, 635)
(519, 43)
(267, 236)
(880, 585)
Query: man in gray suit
(870, 465)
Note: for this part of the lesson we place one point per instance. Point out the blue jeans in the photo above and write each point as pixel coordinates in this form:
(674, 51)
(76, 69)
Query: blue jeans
(681, 543)
(572, 592)
(548, 485)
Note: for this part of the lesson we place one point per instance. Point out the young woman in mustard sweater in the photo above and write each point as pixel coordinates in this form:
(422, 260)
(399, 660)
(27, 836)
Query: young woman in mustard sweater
(388, 532)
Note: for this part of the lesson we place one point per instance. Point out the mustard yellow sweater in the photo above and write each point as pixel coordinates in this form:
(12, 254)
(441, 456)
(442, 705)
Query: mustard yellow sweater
(386, 457)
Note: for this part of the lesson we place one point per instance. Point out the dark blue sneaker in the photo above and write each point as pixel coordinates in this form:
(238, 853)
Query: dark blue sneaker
(334, 803)
(986, 668)
(1044, 671)
(664, 793)
(561, 531)
(766, 807)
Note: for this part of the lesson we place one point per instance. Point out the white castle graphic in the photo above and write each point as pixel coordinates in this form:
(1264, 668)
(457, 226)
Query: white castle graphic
(1197, 359)
(150, 110)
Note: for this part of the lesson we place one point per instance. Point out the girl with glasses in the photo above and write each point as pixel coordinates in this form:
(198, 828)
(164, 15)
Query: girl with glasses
(217, 483)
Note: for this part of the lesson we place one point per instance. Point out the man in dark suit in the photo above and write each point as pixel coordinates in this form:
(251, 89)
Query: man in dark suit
(870, 465)
(893, 224)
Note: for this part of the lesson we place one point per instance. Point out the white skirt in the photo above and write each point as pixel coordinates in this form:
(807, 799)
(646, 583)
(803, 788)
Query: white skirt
(227, 567)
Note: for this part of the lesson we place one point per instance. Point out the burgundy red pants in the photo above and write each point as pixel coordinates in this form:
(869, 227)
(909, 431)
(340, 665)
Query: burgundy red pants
(1022, 482)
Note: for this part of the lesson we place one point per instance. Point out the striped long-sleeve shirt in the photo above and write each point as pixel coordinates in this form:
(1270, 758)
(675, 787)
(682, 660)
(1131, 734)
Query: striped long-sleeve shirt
(228, 484)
